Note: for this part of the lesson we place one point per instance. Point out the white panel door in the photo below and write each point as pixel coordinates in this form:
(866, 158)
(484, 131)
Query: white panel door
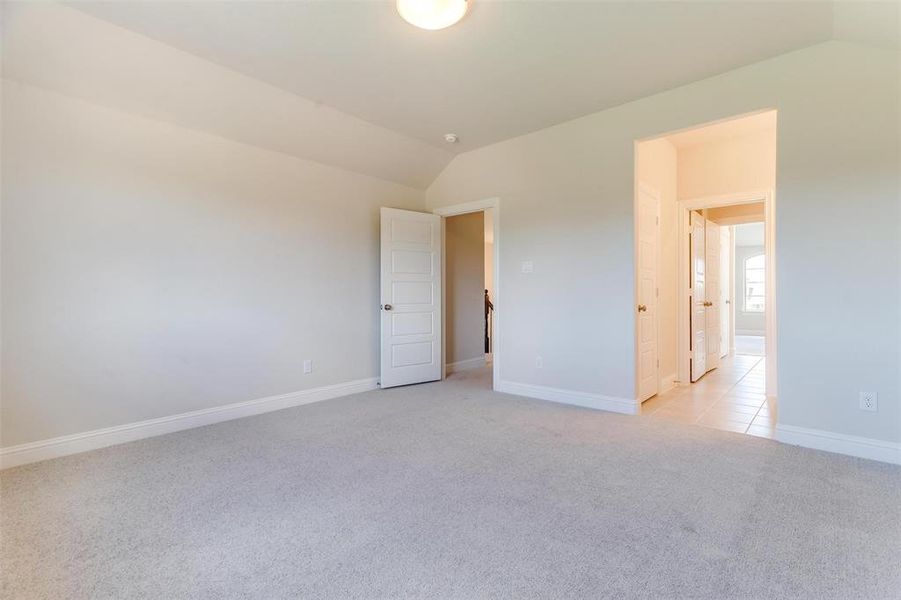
(712, 303)
(648, 211)
(725, 291)
(410, 297)
(697, 256)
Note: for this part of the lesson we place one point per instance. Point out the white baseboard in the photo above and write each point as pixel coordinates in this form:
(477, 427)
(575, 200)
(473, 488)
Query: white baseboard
(463, 365)
(751, 332)
(667, 382)
(839, 443)
(586, 399)
(22, 454)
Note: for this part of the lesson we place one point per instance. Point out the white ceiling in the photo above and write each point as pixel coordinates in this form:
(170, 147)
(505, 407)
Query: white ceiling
(67, 51)
(507, 69)
(351, 85)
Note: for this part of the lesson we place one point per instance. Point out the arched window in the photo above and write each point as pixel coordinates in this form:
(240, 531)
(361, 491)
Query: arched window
(755, 286)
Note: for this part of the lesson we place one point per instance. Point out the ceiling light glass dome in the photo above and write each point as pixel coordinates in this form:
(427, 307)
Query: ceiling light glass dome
(432, 14)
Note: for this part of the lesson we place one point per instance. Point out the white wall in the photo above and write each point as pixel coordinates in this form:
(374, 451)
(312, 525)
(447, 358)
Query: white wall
(742, 164)
(464, 237)
(567, 193)
(150, 270)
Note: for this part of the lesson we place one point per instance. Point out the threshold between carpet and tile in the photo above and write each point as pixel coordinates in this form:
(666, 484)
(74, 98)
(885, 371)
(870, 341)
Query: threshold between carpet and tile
(450, 490)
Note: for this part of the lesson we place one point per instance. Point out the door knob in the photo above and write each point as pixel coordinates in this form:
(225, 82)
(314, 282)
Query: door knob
(708, 304)
(387, 307)
(642, 308)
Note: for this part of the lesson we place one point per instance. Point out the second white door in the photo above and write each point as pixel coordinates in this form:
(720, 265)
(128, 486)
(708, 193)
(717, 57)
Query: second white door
(712, 285)
(698, 258)
(726, 285)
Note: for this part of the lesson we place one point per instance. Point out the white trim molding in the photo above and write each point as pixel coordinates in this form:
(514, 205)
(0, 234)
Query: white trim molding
(467, 207)
(840, 443)
(23, 454)
(494, 205)
(465, 365)
(683, 211)
(625, 406)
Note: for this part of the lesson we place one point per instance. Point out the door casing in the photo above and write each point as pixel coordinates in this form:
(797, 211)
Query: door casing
(494, 205)
(683, 210)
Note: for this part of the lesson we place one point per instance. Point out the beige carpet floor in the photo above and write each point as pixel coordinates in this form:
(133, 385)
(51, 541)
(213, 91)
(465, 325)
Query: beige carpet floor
(449, 490)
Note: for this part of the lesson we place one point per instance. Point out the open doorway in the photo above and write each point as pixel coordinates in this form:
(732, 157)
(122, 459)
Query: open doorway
(471, 290)
(418, 315)
(705, 326)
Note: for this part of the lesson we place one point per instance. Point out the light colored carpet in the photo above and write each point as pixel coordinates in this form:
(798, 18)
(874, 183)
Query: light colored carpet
(448, 490)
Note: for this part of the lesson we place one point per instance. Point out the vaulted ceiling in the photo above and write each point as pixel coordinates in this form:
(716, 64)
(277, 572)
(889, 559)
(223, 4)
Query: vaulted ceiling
(351, 84)
(506, 69)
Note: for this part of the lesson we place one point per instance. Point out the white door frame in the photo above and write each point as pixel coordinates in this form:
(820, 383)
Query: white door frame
(493, 204)
(683, 208)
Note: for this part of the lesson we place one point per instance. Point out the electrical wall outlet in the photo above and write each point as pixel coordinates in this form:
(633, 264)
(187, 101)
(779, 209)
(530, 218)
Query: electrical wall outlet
(307, 366)
(869, 401)
(539, 362)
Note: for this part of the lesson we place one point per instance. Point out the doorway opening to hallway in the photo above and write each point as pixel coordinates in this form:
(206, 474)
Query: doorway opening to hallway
(469, 292)
(705, 294)
(471, 234)
(439, 293)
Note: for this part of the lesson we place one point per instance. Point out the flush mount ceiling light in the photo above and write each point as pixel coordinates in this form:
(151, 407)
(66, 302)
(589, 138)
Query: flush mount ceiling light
(432, 14)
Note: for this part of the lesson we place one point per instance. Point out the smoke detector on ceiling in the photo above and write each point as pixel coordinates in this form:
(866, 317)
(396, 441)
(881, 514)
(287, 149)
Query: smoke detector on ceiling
(451, 138)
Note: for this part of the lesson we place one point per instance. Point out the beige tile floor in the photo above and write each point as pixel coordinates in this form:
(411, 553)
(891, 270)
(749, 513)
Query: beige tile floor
(730, 397)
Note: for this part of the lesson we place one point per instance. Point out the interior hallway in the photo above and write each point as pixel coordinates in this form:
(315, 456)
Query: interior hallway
(731, 397)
